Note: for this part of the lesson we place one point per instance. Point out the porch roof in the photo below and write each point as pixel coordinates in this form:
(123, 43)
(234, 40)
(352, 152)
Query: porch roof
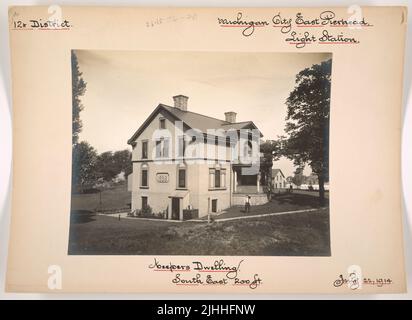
(179, 194)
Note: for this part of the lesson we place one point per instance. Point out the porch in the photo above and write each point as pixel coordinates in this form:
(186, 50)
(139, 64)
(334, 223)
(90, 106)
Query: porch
(246, 183)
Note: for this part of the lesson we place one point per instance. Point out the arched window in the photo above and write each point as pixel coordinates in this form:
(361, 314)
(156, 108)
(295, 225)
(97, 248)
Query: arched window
(144, 176)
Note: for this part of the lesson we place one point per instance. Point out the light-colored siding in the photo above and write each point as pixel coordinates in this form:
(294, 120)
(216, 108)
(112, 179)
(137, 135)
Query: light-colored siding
(197, 183)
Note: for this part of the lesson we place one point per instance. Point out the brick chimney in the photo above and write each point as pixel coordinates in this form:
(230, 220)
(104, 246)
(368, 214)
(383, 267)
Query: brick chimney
(181, 102)
(230, 116)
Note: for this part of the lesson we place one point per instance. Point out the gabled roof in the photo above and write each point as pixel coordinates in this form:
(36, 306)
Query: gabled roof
(276, 171)
(193, 120)
(196, 120)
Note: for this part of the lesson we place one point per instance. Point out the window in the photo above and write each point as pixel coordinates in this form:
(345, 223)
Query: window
(158, 148)
(162, 123)
(162, 148)
(217, 178)
(214, 205)
(247, 149)
(144, 203)
(181, 146)
(144, 149)
(182, 178)
(166, 148)
(144, 182)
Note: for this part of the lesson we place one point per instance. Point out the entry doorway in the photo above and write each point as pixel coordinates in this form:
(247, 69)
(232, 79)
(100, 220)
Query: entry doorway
(175, 208)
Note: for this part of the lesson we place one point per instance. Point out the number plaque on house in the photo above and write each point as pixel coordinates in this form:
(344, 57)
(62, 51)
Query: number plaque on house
(162, 177)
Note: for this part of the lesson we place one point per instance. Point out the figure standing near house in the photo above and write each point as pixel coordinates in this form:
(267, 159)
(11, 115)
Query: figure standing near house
(247, 204)
(290, 188)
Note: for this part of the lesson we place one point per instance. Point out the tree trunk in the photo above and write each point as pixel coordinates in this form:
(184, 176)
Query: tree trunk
(321, 180)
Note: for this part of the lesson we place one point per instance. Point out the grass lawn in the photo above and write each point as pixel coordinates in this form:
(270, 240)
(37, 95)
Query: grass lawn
(280, 203)
(114, 198)
(300, 234)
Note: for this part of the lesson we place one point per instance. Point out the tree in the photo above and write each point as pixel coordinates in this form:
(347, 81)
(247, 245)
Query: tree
(307, 123)
(298, 179)
(106, 166)
(123, 161)
(84, 174)
(109, 164)
(78, 89)
(270, 150)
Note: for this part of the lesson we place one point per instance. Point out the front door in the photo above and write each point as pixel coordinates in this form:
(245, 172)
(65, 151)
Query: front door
(175, 208)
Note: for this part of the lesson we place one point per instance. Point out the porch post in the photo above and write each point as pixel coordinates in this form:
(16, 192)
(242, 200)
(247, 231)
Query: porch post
(181, 209)
(169, 210)
(235, 182)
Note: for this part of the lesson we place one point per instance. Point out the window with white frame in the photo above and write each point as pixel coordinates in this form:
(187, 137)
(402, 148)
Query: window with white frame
(217, 178)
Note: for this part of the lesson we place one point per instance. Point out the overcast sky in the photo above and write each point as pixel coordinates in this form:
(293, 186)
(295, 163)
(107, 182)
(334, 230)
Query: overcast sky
(123, 88)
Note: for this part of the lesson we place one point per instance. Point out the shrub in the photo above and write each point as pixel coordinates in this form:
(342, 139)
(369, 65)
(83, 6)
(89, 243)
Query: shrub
(147, 210)
(190, 214)
(148, 213)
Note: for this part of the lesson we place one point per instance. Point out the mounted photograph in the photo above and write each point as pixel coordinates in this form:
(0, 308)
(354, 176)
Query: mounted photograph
(200, 153)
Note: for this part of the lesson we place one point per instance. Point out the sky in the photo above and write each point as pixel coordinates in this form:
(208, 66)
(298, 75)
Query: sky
(124, 87)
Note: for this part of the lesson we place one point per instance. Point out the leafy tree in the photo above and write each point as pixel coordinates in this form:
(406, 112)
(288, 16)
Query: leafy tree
(307, 123)
(78, 89)
(270, 150)
(109, 164)
(298, 178)
(123, 161)
(84, 158)
(106, 166)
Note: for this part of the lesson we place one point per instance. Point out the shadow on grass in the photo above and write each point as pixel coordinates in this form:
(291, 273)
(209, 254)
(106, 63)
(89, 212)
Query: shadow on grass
(299, 200)
(302, 234)
(82, 216)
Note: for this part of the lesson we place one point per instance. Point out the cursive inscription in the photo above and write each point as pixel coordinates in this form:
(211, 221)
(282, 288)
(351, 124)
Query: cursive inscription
(198, 273)
(248, 26)
(290, 25)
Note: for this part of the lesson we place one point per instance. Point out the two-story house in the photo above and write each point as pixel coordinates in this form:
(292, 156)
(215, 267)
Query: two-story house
(278, 179)
(186, 160)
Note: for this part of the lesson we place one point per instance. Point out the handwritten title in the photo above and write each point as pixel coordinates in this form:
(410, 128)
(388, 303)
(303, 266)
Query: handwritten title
(290, 26)
(197, 273)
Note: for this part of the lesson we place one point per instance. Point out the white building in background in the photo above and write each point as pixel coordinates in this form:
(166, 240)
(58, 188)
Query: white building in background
(278, 179)
(185, 160)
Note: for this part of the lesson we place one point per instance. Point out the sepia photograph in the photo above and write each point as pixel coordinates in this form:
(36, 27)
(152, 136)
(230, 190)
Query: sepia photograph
(200, 153)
